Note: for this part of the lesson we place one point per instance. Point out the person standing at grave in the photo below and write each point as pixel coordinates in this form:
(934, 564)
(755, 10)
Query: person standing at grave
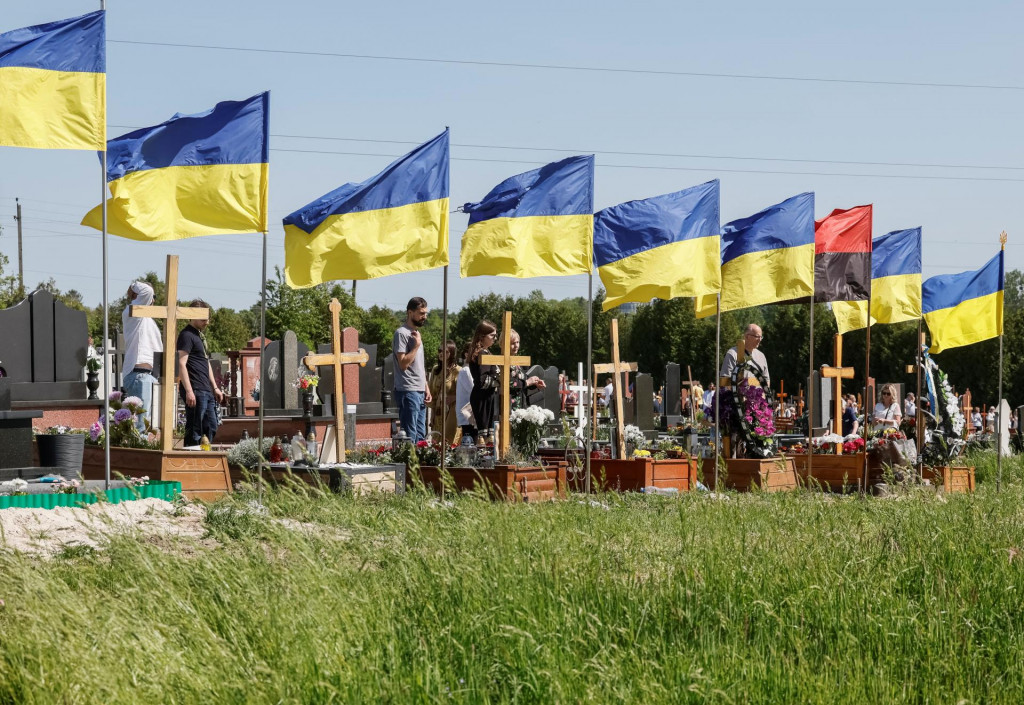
(141, 340)
(443, 381)
(697, 393)
(752, 338)
(519, 385)
(199, 387)
(486, 381)
(850, 423)
(910, 406)
(976, 419)
(709, 397)
(411, 392)
(887, 410)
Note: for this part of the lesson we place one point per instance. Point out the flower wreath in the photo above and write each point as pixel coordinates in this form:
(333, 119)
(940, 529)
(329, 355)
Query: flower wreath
(747, 412)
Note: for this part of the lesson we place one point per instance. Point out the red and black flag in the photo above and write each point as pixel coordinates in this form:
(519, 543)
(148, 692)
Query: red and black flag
(842, 255)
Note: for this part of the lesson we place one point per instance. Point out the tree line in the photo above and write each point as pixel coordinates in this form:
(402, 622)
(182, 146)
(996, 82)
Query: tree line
(554, 332)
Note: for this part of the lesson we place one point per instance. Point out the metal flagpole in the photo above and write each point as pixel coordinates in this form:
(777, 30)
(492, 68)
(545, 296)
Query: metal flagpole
(106, 308)
(810, 400)
(999, 400)
(919, 411)
(589, 391)
(263, 338)
(867, 374)
(718, 387)
(444, 372)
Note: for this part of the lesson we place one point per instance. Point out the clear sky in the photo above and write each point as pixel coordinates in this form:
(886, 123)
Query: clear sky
(953, 156)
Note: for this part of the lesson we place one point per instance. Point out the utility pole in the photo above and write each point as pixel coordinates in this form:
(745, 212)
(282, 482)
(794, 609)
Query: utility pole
(21, 269)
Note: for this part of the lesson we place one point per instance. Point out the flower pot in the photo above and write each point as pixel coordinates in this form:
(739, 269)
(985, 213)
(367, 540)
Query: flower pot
(307, 403)
(62, 451)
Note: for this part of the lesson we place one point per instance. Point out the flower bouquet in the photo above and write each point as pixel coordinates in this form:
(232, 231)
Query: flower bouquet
(124, 433)
(306, 382)
(527, 427)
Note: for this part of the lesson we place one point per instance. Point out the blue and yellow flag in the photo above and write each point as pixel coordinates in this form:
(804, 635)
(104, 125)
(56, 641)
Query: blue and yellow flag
(53, 85)
(767, 258)
(537, 224)
(395, 222)
(193, 175)
(895, 284)
(966, 308)
(663, 247)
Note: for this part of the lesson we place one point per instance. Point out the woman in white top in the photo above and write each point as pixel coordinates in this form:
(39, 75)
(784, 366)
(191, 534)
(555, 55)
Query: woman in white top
(887, 410)
(463, 389)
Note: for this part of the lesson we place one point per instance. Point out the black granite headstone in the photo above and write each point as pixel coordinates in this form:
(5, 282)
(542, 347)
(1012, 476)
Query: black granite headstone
(370, 384)
(643, 395)
(43, 347)
(387, 387)
(672, 411)
(282, 362)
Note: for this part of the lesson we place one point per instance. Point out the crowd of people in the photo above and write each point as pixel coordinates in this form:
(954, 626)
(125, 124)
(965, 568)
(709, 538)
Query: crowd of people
(461, 389)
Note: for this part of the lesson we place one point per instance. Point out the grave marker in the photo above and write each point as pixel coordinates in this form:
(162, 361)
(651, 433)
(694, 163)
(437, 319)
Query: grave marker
(505, 361)
(616, 367)
(170, 315)
(837, 373)
(671, 404)
(336, 358)
(644, 399)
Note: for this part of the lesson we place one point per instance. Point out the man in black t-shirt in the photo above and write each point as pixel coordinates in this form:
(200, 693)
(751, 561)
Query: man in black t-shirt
(199, 389)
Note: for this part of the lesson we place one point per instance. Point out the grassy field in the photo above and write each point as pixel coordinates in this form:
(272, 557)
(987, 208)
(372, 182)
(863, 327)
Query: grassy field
(795, 598)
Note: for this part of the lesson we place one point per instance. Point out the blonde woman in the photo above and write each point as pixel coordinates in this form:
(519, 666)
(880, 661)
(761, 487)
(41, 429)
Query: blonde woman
(442, 383)
(887, 410)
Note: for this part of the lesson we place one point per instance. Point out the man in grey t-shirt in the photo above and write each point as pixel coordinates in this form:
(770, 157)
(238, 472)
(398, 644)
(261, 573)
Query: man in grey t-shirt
(411, 392)
(751, 340)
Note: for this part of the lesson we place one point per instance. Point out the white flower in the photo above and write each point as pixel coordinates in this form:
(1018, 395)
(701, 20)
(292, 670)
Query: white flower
(633, 434)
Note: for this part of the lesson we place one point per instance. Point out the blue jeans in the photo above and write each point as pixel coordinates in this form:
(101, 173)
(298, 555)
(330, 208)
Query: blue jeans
(201, 419)
(412, 413)
(140, 384)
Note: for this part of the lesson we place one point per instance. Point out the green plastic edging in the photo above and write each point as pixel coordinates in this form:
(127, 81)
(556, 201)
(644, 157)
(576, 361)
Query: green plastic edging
(158, 489)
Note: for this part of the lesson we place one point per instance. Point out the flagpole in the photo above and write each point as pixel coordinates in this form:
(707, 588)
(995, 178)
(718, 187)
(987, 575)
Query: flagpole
(590, 375)
(867, 375)
(919, 411)
(810, 400)
(444, 372)
(263, 338)
(718, 387)
(999, 400)
(106, 308)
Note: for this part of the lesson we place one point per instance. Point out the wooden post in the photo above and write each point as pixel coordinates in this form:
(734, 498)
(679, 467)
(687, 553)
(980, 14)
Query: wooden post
(693, 411)
(505, 361)
(616, 367)
(170, 315)
(837, 373)
(337, 358)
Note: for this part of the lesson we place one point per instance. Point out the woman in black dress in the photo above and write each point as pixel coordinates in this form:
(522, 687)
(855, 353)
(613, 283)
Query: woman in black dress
(485, 380)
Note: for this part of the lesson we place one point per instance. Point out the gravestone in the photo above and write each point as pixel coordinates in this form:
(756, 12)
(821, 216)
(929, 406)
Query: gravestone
(15, 432)
(43, 346)
(387, 387)
(281, 364)
(552, 398)
(821, 404)
(643, 396)
(1003, 426)
(369, 384)
(672, 403)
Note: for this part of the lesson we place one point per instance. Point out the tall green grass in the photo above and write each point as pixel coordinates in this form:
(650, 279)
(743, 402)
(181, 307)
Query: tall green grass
(788, 598)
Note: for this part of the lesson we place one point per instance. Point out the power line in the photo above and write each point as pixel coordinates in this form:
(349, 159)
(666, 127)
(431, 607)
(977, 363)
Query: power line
(681, 168)
(589, 69)
(626, 153)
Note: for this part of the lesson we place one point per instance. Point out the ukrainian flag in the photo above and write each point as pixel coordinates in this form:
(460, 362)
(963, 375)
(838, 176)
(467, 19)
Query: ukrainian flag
(53, 85)
(767, 258)
(966, 308)
(663, 247)
(895, 284)
(193, 175)
(536, 224)
(395, 222)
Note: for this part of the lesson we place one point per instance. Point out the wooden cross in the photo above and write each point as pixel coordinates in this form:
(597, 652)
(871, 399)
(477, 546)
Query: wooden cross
(966, 409)
(505, 361)
(781, 396)
(336, 358)
(837, 373)
(616, 368)
(170, 315)
(800, 403)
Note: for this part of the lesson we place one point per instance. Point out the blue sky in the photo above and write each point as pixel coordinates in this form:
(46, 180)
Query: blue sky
(731, 127)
